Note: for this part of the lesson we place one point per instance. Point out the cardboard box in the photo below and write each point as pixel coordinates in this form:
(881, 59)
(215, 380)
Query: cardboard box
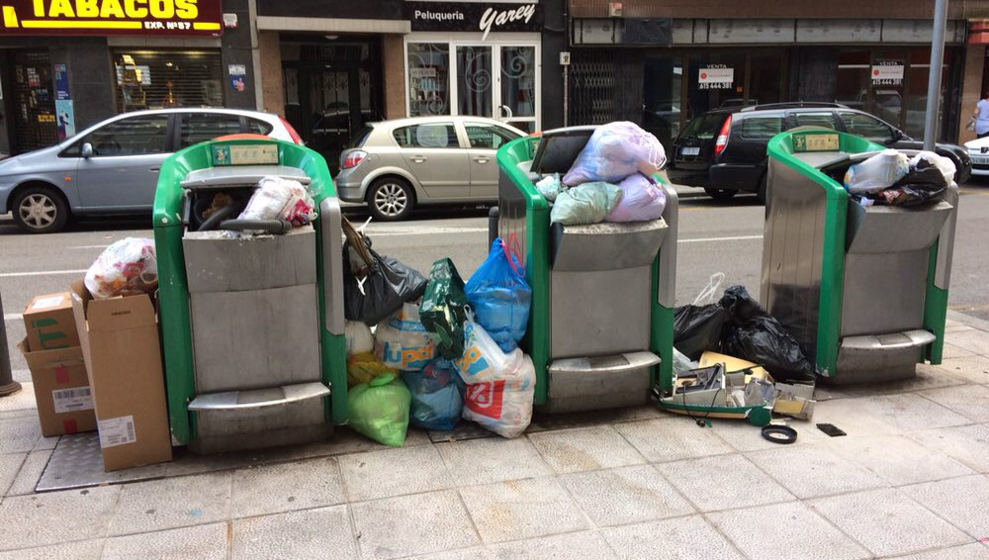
(123, 359)
(49, 322)
(61, 389)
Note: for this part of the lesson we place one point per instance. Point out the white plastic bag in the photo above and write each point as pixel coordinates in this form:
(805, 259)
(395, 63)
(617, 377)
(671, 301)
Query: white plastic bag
(359, 338)
(641, 200)
(503, 405)
(615, 151)
(876, 173)
(483, 359)
(401, 341)
(584, 204)
(944, 165)
(550, 186)
(277, 197)
(126, 267)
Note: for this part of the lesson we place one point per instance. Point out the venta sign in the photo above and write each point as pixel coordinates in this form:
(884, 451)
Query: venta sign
(111, 17)
(474, 16)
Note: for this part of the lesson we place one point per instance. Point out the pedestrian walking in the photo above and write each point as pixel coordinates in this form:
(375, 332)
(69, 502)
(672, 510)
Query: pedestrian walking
(981, 116)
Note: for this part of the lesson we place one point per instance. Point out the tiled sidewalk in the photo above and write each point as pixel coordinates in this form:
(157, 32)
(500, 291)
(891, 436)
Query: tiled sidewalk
(910, 480)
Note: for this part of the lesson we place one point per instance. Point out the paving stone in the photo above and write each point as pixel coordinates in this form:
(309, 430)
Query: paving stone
(814, 470)
(974, 340)
(742, 436)
(888, 522)
(723, 482)
(851, 415)
(473, 553)
(519, 509)
(481, 461)
(974, 369)
(22, 400)
(685, 538)
(172, 502)
(312, 533)
(204, 542)
(972, 551)
(951, 326)
(671, 439)
(971, 401)
(78, 550)
(392, 472)
(19, 434)
(415, 524)
(10, 465)
(897, 459)
(286, 487)
(955, 351)
(570, 546)
(789, 531)
(625, 495)
(56, 517)
(967, 444)
(961, 501)
(910, 412)
(585, 449)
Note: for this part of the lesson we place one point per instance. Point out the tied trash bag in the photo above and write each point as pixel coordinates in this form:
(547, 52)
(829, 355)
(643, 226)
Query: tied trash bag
(588, 203)
(697, 327)
(363, 367)
(504, 405)
(500, 297)
(443, 310)
(437, 395)
(550, 186)
(483, 360)
(642, 200)
(384, 283)
(359, 338)
(277, 197)
(402, 342)
(380, 409)
(615, 151)
(126, 267)
(753, 334)
(924, 159)
(876, 173)
(923, 184)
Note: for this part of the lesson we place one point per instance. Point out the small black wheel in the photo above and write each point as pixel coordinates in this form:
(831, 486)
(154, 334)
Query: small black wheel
(390, 199)
(721, 195)
(40, 209)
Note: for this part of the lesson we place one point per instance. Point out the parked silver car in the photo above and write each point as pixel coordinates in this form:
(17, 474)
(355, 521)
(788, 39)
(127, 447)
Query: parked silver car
(112, 167)
(399, 164)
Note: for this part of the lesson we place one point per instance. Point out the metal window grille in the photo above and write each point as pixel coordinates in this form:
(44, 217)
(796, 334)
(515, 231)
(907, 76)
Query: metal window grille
(147, 79)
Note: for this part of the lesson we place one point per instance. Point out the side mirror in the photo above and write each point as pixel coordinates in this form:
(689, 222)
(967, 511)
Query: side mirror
(897, 135)
(87, 150)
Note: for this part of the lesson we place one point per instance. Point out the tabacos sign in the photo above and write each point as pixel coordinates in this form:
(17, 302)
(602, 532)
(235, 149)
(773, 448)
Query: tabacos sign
(474, 16)
(110, 17)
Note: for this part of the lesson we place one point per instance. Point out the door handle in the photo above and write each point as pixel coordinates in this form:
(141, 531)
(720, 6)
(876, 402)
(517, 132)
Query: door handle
(418, 159)
(481, 159)
(155, 169)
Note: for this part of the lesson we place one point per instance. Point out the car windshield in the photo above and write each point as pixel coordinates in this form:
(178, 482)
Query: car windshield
(704, 127)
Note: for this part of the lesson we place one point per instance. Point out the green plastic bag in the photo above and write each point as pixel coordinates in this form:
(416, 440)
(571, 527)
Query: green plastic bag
(379, 409)
(444, 309)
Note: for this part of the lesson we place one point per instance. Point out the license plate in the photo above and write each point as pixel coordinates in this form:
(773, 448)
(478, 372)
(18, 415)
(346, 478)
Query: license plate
(690, 151)
(980, 160)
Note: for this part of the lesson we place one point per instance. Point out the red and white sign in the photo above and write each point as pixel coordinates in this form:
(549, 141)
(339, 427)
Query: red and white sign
(715, 77)
(887, 74)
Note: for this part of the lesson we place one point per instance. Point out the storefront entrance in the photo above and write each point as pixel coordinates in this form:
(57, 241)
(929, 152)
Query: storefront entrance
(331, 90)
(28, 102)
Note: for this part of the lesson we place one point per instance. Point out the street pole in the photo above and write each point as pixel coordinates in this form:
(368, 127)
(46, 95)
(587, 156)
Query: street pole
(7, 384)
(934, 78)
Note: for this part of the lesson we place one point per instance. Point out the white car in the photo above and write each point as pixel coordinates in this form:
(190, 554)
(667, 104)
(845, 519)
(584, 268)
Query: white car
(978, 151)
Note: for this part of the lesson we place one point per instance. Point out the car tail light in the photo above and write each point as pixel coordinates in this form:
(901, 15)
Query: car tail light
(722, 142)
(291, 132)
(353, 158)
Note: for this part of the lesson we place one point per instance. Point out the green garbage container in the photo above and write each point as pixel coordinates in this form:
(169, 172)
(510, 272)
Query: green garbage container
(863, 289)
(600, 330)
(252, 326)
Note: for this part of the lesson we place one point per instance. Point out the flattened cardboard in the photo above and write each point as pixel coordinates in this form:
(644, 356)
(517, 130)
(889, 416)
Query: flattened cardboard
(49, 322)
(60, 373)
(121, 349)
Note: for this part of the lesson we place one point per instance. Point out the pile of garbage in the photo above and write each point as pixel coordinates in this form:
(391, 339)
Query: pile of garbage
(276, 205)
(889, 177)
(611, 179)
(440, 350)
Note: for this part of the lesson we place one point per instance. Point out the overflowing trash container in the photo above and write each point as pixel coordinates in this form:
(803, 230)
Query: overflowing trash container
(600, 329)
(249, 248)
(860, 281)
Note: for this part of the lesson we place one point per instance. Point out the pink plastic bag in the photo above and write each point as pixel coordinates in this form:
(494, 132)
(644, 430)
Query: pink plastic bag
(615, 151)
(642, 200)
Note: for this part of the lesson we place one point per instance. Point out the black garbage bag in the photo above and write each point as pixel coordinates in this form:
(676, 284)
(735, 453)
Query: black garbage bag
(389, 284)
(697, 328)
(753, 334)
(919, 186)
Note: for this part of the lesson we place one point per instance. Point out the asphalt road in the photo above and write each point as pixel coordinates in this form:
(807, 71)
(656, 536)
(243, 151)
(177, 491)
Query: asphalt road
(714, 237)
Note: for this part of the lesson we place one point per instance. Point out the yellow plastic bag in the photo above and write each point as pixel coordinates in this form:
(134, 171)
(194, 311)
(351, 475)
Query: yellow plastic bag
(363, 367)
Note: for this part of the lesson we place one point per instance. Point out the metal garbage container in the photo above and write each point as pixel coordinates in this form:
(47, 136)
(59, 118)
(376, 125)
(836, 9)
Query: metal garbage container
(252, 326)
(600, 331)
(863, 289)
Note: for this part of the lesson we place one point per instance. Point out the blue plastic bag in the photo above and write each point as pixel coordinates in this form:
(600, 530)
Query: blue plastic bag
(500, 297)
(437, 395)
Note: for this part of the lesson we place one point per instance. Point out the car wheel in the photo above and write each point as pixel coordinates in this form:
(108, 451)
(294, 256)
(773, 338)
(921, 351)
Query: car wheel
(763, 186)
(390, 199)
(40, 209)
(720, 195)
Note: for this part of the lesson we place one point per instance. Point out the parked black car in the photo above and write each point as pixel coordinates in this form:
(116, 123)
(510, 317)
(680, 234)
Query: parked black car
(724, 150)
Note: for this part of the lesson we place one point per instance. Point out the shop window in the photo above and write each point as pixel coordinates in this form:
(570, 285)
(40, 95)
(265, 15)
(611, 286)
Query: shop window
(159, 79)
(661, 91)
(199, 127)
(432, 135)
(518, 85)
(429, 78)
(133, 136)
(474, 81)
(765, 78)
(866, 126)
(852, 83)
(487, 136)
(761, 127)
(815, 119)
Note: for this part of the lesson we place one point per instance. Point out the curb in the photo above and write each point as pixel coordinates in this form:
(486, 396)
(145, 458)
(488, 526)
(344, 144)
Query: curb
(974, 322)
